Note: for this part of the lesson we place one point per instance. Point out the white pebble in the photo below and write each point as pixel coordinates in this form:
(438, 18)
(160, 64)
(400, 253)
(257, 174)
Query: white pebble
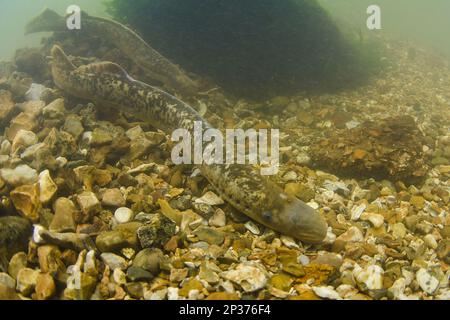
(123, 215)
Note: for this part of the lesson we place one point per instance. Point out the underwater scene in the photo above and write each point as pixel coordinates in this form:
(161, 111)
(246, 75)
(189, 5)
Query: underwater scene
(224, 150)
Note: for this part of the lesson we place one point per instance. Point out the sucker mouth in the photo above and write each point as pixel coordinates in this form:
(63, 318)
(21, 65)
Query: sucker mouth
(303, 222)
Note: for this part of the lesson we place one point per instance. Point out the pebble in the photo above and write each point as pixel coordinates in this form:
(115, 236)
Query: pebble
(252, 227)
(111, 241)
(23, 138)
(26, 281)
(218, 219)
(113, 198)
(357, 211)
(430, 241)
(26, 201)
(17, 262)
(426, 281)
(149, 260)
(371, 277)
(64, 218)
(327, 293)
(88, 203)
(20, 175)
(210, 198)
(209, 235)
(139, 274)
(377, 220)
(123, 215)
(7, 281)
(114, 261)
(250, 277)
(47, 187)
(45, 287)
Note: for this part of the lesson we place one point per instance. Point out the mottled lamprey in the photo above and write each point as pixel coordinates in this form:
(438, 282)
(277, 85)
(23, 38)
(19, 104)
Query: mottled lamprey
(109, 84)
(127, 41)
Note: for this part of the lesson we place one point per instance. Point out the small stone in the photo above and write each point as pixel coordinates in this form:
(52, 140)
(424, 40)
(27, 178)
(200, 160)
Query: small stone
(281, 281)
(123, 215)
(371, 277)
(157, 232)
(17, 262)
(178, 275)
(328, 258)
(139, 274)
(73, 126)
(189, 286)
(398, 230)
(224, 296)
(327, 293)
(134, 132)
(45, 287)
(430, 241)
(210, 198)
(47, 187)
(19, 176)
(49, 258)
(209, 235)
(357, 211)
(172, 294)
(89, 205)
(251, 277)
(111, 241)
(8, 293)
(119, 276)
(114, 261)
(24, 139)
(426, 281)
(377, 220)
(64, 218)
(55, 110)
(7, 281)
(26, 281)
(353, 234)
(252, 227)
(100, 137)
(80, 286)
(113, 198)
(26, 200)
(418, 202)
(218, 219)
(149, 259)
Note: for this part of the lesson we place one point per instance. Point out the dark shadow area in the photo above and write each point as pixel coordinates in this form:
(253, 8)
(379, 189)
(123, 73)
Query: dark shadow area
(254, 49)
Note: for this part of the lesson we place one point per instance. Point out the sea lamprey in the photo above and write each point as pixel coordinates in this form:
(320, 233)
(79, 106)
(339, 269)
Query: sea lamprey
(127, 41)
(107, 84)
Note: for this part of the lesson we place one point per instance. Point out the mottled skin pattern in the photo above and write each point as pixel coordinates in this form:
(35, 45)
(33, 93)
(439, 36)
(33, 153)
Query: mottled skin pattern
(14, 234)
(127, 41)
(108, 84)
